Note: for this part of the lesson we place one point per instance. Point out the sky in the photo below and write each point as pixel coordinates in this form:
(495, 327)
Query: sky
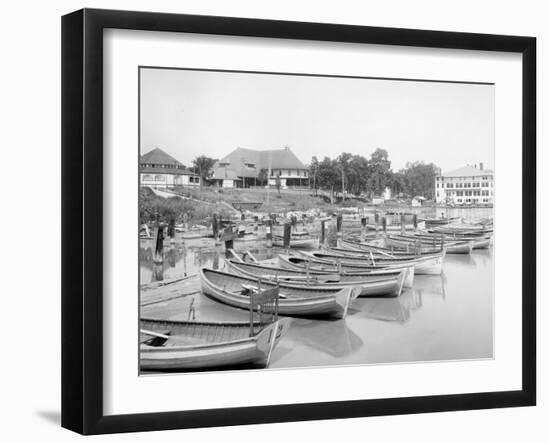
(190, 113)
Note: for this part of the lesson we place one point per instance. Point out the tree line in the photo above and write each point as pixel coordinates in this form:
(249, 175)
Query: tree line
(355, 174)
(358, 175)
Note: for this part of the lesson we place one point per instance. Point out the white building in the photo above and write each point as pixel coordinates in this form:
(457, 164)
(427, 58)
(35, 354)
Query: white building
(470, 185)
(241, 168)
(157, 169)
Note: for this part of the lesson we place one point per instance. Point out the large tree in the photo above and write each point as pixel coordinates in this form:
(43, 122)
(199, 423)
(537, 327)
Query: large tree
(262, 177)
(419, 178)
(313, 171)
(380, 174)
(203, 167)
(328, 175)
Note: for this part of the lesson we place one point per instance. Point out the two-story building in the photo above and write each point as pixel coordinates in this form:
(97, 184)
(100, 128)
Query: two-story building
(241, 168)
(470, 185)
(157, 169)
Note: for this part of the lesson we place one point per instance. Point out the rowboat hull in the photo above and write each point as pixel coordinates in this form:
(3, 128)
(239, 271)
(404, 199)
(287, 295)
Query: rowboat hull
(299, 243)
(300, 302)
(362, 248)
(229, 352)
(390, 284)
(461, 247)
(422, 265)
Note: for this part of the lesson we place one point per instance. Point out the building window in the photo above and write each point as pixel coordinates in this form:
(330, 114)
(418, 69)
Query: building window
(159, 178)
(449, 185)
(147, 178)
(476, 185)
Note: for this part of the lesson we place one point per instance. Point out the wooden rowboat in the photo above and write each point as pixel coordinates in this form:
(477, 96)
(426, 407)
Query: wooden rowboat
(297, 243)
(479, 241)
(451, 247)
(258, 269)
(389, 284)
(365, 247)
(235, 290)
(431, 265)
(191, 345)
(366, 258)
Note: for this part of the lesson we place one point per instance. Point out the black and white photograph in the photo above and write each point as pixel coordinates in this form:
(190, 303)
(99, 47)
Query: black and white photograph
(298, 220)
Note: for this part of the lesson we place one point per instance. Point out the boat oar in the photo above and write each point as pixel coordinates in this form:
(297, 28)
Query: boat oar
(154, 334)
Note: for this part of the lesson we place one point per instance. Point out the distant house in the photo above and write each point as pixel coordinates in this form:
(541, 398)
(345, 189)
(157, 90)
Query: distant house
(417, 201)
(241, 168)
(465, 186)
(157, 169)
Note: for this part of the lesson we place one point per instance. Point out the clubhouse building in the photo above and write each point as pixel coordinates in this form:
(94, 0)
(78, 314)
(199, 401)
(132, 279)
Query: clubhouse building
(242, 168)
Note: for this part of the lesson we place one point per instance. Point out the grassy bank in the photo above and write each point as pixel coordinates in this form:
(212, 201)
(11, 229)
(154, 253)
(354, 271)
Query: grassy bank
(201, 205)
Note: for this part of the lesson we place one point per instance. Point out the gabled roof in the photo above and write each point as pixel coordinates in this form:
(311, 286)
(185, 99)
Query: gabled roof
(171, 171)
(467, 171)
(159, 157)
(239, 162)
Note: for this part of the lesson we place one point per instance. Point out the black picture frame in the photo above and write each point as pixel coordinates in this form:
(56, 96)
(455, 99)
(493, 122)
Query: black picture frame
(82, 218)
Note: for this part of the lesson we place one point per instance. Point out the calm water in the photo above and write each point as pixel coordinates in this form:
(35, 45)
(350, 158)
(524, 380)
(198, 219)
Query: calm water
(443, 317)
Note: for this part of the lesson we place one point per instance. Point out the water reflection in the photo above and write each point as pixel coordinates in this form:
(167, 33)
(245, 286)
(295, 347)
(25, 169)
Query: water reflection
(397, 309)
(330, 337)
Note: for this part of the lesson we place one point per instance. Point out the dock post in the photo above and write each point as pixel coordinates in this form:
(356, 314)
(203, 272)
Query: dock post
(376, 221)
(363, 227)
(323, 232)
(415, 222)
(402, 217)
(338, 230)
(215, 228)
(269, 234)
(384, 224)
(159, 246)
(158, 257)
(442, 243)
(228, 247)
(172, 230)
(286, 236)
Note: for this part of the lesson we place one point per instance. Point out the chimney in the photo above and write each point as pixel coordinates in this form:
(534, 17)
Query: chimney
(481, 166)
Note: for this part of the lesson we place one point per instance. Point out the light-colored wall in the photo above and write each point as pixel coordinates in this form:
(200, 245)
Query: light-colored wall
(167, 180)
(290, 173)
(452, 194)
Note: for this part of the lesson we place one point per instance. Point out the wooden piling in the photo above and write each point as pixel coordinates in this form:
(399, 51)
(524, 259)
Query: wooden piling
(402, 221)
(323, 232)
(215, 226)
(339, 225)
(286, 236)
(159, 246)
(172, 230)
(269, 233)
(384, 224)
(415, 222)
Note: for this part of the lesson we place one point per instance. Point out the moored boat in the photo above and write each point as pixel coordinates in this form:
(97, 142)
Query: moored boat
(191, 345)
(235, 290)
(298, 240)
(375, 284)
(451, 247)
(430, 265)
(367, 246)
